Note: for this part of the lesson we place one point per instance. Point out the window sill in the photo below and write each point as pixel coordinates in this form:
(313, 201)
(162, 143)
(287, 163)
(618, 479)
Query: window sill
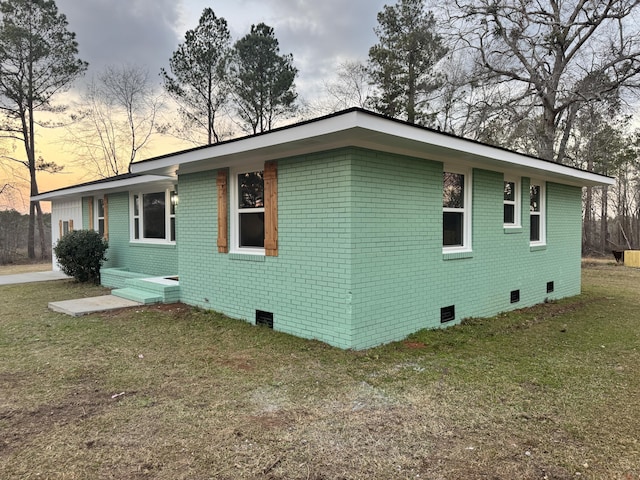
(537, 247)
(141, 243)
(246, 257)
(456, 255)
(509, 230)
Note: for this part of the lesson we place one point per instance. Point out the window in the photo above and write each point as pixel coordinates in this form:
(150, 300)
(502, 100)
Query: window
(151, 219)
(456, 211)
(511, 202)
(247, 205)
(248, 210)
(100, 216)
(536, 213)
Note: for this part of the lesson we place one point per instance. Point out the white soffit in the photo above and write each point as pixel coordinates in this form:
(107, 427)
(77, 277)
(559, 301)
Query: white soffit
(359, 128)
(102, 187)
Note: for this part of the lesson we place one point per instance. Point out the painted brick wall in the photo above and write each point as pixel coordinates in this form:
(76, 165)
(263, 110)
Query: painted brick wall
(360, 250)
(306, 286)
(401, 277)
(151, 259)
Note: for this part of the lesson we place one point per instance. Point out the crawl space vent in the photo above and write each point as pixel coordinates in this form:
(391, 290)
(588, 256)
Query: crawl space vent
(515, 296)
(447, 313)
(264, 318)
(549, 287)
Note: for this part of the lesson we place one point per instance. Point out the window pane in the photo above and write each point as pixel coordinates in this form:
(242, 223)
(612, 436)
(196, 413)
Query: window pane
(174, 201)
(535, 228)
(173, 229)
(453, 190)
(136, 206)
(452, 231)
(153, 215)
(534, 195)
(509, 191)
(251, 190)
(509, 214)
(101, 227)
(136, 229)
(100, 207)
(252, 229)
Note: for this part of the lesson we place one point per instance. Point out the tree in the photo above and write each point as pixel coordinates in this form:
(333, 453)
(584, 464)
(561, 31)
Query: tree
(350, 88)
(550, 50)
(118, 120)
(198, 78)
(402, 64)
(38, 59)
(262, 79)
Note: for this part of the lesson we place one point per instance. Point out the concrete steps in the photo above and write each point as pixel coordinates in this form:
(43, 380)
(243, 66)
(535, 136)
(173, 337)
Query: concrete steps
(150, 290)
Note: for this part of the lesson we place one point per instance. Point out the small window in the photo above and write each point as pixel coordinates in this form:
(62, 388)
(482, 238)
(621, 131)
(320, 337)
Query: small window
(515, 296)
(456, 211)
(511, 215)
(536, 213)
(65, 227)
(100, 216)
(153, 216)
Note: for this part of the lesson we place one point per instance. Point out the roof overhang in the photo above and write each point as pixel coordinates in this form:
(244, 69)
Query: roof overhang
(102, 187)
(360, 128)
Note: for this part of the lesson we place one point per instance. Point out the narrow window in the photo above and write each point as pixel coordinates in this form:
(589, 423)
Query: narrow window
(100, 216)
(511, 215)
(173, 203)
(536, 213)
(136, 217)
(456, 211)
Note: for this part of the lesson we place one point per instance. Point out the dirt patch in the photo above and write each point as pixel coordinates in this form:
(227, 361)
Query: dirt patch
(26, 424)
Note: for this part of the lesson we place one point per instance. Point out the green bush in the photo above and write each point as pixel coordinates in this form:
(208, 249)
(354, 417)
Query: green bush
(80, 254)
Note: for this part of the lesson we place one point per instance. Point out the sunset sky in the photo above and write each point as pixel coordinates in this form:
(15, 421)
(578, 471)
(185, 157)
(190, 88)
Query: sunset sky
(319, 34)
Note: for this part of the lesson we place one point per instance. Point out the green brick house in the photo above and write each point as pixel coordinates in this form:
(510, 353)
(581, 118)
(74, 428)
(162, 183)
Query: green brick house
(354, 229)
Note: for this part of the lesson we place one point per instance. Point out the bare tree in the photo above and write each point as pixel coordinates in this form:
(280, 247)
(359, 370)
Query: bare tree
(548, 49)
(351, 87)
(118, 119)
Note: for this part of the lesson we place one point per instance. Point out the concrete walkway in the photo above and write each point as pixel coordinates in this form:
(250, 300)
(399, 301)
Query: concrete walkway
(76, 308)
(31, 277)
(84, 306)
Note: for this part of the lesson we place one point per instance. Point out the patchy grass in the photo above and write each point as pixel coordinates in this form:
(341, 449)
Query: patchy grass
(171, 392)
(38, 266)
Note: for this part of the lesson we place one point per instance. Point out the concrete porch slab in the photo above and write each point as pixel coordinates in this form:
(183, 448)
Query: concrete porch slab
(84, 306)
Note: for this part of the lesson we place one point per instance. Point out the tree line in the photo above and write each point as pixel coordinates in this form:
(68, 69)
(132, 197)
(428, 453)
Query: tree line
(553, 79)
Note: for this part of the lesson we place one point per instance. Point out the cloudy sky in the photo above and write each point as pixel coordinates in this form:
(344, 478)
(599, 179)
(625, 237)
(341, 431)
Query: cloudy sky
(319, 33)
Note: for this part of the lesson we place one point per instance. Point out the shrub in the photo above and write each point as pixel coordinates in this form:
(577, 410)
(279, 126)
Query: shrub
(80, 254)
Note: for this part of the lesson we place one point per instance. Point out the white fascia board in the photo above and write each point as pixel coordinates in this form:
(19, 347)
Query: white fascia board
(103, 187)
(363, 129)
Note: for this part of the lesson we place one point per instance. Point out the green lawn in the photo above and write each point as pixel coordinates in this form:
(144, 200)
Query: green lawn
(172, 392)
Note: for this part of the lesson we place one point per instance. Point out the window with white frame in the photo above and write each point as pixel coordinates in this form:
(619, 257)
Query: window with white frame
(456, 210)
(153, 216)
(247, 211)
(99, 226)
(511, 202)
(537, 212)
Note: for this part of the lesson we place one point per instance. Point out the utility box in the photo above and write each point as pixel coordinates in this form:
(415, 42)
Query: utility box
(632, 258)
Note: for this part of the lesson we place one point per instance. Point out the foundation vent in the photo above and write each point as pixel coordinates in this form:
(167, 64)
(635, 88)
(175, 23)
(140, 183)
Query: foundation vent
(515, 296)
(550, 287)
(264, 318)
(447, 314)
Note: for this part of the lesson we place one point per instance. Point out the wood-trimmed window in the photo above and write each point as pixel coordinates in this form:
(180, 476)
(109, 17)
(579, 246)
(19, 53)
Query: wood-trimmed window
(253, 205)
